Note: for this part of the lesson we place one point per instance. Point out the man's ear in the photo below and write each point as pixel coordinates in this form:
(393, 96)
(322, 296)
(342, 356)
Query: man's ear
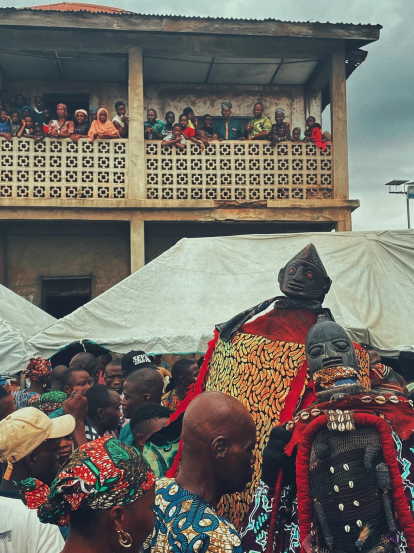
(139, 439)
(327, 285)
(145, 397)
(219, 447)
(100, 412)
(66, 389)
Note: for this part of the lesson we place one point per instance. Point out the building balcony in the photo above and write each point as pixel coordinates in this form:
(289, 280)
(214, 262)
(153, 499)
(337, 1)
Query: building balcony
(236, 171)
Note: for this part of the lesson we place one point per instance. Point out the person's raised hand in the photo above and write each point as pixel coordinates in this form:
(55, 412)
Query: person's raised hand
(249, 127)
(274, 457)
(76, 405)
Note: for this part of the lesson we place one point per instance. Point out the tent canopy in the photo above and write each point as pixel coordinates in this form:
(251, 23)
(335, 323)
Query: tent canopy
(172, 304)
(19, 319)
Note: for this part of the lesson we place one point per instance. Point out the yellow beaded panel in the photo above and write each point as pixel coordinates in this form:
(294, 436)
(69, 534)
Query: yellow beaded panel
(258, 372)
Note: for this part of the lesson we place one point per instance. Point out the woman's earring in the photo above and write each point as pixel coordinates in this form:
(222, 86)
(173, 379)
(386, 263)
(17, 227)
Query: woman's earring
(124, 538)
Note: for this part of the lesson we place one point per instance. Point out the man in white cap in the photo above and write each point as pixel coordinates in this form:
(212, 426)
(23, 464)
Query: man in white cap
(29, 443)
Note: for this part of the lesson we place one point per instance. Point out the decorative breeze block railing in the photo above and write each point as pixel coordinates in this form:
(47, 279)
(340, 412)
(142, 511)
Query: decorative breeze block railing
(238, 170)
(63, 169)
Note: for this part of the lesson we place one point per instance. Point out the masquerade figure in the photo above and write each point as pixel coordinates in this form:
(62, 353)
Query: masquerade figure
(262, 363)
(104, 492)
(37, 371)
(348, 455)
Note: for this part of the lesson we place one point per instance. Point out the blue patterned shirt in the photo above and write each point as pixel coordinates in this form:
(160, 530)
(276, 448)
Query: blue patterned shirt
(186, 523)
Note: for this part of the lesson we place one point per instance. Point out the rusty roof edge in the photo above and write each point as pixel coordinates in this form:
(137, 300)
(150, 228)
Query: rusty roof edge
(129, 14)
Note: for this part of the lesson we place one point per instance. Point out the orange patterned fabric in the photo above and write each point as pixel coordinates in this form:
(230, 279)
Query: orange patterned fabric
(258, 372)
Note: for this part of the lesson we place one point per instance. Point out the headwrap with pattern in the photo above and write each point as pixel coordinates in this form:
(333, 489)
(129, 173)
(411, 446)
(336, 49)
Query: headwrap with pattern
(98, 475)
(226, 105)
(38, 369)
(48, 402)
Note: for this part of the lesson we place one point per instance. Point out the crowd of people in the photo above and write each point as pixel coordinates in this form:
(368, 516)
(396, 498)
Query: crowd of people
(283, 412)
(18, 120)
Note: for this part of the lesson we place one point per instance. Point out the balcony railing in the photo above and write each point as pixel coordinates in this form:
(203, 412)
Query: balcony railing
(239, 170)
(225, 171)
(63, 169)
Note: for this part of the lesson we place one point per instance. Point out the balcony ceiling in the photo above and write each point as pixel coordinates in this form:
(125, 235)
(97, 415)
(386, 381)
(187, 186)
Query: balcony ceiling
(158, 67)
(199, 70)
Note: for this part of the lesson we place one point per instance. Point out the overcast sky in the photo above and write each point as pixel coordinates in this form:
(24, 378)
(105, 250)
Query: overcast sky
(380, 92)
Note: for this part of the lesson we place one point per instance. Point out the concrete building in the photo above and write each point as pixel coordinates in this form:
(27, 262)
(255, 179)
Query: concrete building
(76, 218)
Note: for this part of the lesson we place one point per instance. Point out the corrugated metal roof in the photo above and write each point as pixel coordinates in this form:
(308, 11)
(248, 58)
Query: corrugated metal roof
(93, 8)
(79, 7)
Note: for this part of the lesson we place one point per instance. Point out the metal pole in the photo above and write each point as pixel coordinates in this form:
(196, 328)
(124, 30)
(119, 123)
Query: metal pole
(408, 210)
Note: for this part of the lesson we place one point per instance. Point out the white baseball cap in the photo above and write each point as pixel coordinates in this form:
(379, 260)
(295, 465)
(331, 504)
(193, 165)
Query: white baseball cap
(25, 429)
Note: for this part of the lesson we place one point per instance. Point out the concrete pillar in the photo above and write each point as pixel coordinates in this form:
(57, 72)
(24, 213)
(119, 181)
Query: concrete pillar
(339, 125)
(136, 145)
(137, 244)
(345, 222)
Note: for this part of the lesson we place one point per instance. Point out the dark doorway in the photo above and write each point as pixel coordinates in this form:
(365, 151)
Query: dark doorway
(62, 296)
(72, 101)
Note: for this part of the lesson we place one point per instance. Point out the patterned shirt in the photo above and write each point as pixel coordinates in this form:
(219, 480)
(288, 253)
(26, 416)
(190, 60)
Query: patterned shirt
(158, 126)
(170, 400)
(66, 128)
(263, 124)
(185, 522)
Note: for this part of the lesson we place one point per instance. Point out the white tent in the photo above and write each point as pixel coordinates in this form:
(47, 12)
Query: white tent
(19, 319)
(173, 303)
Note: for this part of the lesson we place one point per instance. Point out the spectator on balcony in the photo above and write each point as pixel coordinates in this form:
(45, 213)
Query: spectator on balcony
(47, 117)
(281, 129)
(169, 122)
(227, 128)
(121, 120)
(296, 135)
(16, 122)
(189, 132)
(102, 128)
(258, 128)
(27, 111)
(192, 119)
(37, 112)
(81, 127)
(176, 137)
(27, 128)
(19, 102)
(93, 114)
(154, 129)
(5, 126)
(60, 127)
(207, 129)
(38, 132)
(313, 133)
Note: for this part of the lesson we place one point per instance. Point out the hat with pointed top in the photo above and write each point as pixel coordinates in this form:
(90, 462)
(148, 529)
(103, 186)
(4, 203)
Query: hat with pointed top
(310, 255)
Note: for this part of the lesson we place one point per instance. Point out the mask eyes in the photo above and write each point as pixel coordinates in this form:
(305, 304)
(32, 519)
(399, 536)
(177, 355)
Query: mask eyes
(341, 345)
(309, 275)
(315, 351)
(292, 271)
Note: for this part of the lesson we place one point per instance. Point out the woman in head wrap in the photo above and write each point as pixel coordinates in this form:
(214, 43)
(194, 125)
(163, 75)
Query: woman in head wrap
(38, 371)
(104, 492)
(27, 112)
(102, 127)
(60, 127)
(281, 129)
(81, 127)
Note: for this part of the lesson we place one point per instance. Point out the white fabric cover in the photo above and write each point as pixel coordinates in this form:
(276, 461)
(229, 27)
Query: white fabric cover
(19, 319)
(173, 303)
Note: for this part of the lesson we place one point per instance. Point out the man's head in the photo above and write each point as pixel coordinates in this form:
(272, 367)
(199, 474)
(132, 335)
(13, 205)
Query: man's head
(135, 359)
(279, 115)
(226, 110)
(208, 121)
(258, 110)
(103, 408)
(7, 403)
(184, 373)
(304, 277)
(140, 387)
(120, 108)
(39, 103)
(38, 130)
(114, 376)
(152, 116)
(219, 434)
(56, 378)
(29, 443)
(170, 118)
(3, 115)
(47, 115)
(146, 420)
(84, 360)
(75, 377)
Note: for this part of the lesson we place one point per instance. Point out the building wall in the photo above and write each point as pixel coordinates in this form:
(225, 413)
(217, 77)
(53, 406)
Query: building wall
(207, 98)
(101, 94)
(35, 250)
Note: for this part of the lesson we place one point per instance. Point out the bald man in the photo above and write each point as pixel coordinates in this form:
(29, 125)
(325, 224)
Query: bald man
(84, 360)
(219, 436)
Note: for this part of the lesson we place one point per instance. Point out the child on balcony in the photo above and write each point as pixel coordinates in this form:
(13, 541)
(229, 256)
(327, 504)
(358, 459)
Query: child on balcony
(188, 131)
(5, 126)
(175, 137)
(121, 119)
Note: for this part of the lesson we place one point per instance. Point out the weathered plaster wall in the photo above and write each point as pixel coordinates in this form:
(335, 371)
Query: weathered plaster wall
(101, 94)
(207, 98)
(31, 251)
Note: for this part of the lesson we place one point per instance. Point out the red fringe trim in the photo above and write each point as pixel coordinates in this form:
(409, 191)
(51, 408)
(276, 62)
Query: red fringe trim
(293, 397)
(195, 390)
(401, 506)
(274, 514)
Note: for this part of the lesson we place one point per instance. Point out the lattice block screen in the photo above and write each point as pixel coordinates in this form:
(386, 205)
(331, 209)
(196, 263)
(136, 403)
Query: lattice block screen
(63, 169)
(238, 170)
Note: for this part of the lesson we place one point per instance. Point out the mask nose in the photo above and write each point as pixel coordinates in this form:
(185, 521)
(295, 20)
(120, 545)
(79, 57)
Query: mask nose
(330, 350)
